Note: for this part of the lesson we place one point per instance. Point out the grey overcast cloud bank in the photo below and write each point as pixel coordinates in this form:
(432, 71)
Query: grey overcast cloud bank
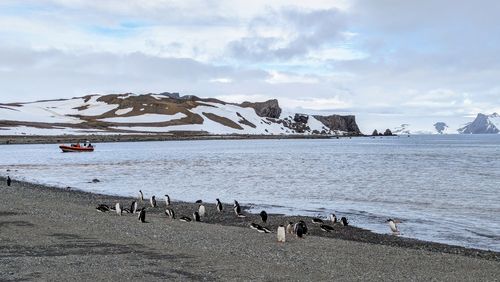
(381, 60)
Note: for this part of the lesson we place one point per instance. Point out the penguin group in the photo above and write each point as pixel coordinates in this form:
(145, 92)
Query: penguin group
(298, 229)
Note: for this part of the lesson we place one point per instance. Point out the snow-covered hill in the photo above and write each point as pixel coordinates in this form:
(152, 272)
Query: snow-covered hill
(403, 125)
(160, 113)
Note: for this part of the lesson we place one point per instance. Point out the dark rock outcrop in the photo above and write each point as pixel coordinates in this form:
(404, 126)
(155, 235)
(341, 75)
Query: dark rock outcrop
(341, 123)
(302, 118)
(269, 109)
(481, 125)
(388, 132)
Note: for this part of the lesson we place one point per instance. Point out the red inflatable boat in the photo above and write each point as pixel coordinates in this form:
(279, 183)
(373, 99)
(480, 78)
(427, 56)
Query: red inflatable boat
(77, 148)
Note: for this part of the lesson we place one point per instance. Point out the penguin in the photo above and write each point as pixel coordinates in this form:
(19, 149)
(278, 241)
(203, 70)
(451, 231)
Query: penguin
(170, 213)
(118, 209)
(185, 219)
(201, 210)
(153, 201)
(141, 196)
(281, 234)
(266, 230)
(255, 226)
(344, 221)
(316, 220)
(237, 210)
(196, 216)
(219, 206)
(9, 181)
(289, 228)
(263, 216)
(261, 229)
(142, 215)
(198, 202)
(133, 207)
(167, 200)
(333, 218)
(236, 203)
(326, 228)
(126, 210)
(102, 208)
(299, 230)
(393, 226)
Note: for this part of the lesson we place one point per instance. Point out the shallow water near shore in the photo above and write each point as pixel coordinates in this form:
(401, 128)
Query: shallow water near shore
(444, 188)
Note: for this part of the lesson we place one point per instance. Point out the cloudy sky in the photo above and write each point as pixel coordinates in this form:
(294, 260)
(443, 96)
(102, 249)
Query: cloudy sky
(406, 60)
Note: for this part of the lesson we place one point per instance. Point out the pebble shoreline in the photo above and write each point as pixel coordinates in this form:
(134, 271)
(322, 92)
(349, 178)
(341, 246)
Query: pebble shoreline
(32, 208)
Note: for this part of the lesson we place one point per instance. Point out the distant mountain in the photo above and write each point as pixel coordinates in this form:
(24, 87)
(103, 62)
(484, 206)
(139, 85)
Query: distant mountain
(163, 113)
(441, 127)
(483, 124)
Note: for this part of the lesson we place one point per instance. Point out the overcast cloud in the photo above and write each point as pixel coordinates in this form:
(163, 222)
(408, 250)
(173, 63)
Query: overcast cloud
(371, 58)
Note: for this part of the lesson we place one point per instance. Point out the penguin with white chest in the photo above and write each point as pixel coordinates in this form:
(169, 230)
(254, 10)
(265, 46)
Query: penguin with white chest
(142, 215)
(141, 196)
(170, 213)
(332, 218)
(167, 200)
(201, 210)
(289, 228)
(153, 201)
(133, 207)
(237, 209)
(393, 226)
(118, 209)
(281, 234)
(219, 206)
(196, 216)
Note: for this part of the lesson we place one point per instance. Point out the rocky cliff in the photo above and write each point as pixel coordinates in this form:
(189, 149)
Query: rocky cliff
(341, 123)
(270, 108)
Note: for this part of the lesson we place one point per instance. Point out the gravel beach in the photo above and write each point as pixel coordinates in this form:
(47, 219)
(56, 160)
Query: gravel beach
(56, 234)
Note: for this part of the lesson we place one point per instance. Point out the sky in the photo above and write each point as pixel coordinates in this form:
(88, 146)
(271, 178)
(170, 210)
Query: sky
(378, 59)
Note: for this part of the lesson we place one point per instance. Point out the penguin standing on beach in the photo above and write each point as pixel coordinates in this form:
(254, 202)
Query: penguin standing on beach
(289, 228)
(333, 218)
(153, 201)
(118, 209)
(393, 226)
(167, 200)
(202, 211)
(281, 234)
(263, 216)
(141, 196)
(9, 181)
(219, 206)
(133, 207)
(196, 216)
(344, 221)
(142, 215)
(300, 229)
(237, 209)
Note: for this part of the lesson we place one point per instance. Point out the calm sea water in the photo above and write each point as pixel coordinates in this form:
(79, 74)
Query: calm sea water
(443, 188)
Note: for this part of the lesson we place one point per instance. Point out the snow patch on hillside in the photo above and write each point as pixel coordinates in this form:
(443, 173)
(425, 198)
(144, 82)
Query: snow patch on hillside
(145, 118)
